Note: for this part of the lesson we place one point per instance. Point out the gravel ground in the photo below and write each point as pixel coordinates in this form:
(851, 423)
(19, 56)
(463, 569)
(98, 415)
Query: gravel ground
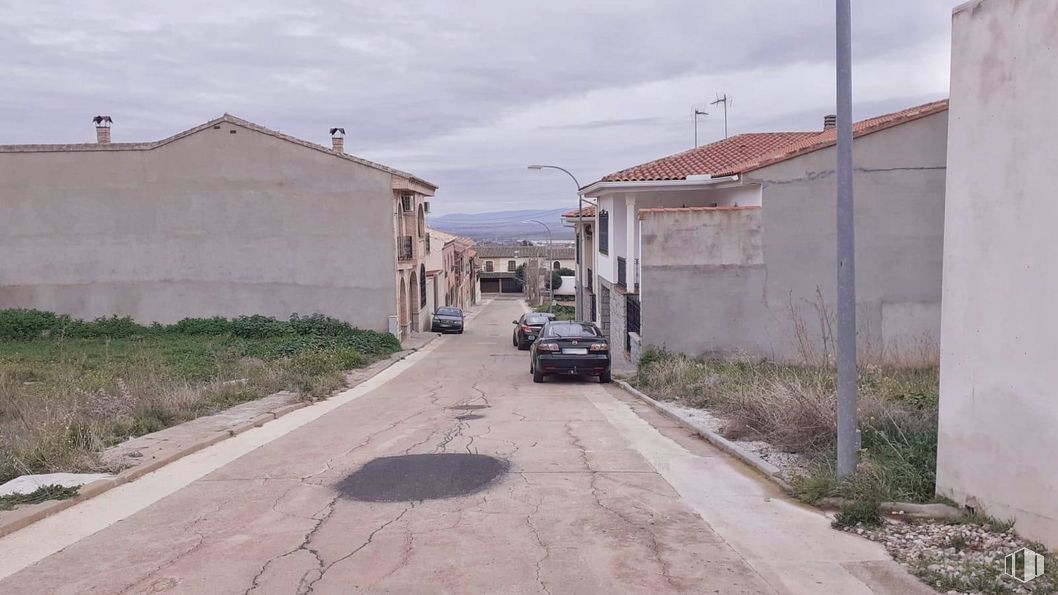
(790, 464)
(959, 558)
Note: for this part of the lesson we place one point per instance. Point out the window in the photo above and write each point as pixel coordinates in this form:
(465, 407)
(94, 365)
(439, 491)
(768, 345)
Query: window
(604, 232)
(557, 265)
(422, 222)
(572, 329)
(488, 266)
(512, 266)
(407, 203)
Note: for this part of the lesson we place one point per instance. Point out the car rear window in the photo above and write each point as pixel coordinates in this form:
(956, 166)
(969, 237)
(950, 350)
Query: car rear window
(536, 320)
(572, 329)
(449, 311)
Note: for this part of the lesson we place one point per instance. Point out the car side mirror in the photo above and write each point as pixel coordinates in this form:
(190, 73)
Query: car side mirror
(514, 322)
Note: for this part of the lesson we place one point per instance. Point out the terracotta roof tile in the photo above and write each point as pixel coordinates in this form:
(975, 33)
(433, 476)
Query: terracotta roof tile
(828, 138)
(711, 159)
(589, 211)
(746, 152)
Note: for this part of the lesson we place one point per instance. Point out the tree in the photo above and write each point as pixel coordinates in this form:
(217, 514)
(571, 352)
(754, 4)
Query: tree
(556, 277)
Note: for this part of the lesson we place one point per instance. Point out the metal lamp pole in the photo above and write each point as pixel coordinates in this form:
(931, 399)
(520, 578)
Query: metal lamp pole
(848, 437)
(550, 257)
(579, 285)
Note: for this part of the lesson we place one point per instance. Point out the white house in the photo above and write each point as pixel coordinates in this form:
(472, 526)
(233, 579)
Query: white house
(727, 250)
(498, 264)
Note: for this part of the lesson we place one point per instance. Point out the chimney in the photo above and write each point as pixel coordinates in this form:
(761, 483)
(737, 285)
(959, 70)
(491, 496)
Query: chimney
(338, 140)
(102, 129)
(830, 121)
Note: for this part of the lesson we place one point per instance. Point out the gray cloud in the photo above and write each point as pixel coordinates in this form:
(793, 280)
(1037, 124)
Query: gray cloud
(462, 93)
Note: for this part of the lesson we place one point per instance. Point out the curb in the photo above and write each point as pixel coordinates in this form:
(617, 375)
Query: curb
(31, 515)
(772, 473)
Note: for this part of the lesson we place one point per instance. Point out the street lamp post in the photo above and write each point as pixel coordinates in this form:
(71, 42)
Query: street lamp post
(550, 257)
(579, 285)
(848, 437)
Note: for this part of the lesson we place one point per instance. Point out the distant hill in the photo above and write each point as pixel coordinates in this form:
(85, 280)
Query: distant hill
(504, 226)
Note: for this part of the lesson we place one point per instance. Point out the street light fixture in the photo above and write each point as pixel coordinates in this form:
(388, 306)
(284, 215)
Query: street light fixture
(579, 286)
(550, 257)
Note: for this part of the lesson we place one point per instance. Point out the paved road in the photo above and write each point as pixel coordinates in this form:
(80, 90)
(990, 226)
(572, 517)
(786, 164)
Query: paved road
(592, 493)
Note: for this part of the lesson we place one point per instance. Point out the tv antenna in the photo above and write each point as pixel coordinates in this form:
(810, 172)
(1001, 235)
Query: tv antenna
(724, 100)
(697, 112)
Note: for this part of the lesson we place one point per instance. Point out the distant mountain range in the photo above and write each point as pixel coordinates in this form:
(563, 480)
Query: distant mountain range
(504, 226)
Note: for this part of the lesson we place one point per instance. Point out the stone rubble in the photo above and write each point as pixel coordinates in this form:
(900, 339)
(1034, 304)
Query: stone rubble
(958, 558)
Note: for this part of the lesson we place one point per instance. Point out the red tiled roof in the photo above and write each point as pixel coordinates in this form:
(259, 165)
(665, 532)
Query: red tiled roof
(588, 211)
(746, 152)
(828, 138)
(711, 159)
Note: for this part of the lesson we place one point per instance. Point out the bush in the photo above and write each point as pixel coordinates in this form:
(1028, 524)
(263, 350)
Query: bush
(218, 325)
(26, 325)
(259, 327)
(114, 327)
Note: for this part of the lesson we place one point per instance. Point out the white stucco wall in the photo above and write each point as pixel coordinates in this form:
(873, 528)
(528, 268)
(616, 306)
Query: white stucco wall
(216, 223)
(999, 401)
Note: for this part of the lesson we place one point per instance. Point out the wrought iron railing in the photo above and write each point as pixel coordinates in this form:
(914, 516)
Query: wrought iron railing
(631, 319)
(406, 249)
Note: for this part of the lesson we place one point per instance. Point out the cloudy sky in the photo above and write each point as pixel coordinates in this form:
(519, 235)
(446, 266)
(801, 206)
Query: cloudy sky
(462, 93)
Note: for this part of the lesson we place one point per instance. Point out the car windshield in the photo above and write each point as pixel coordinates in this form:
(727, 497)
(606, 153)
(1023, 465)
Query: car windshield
(572, 329)
(536, 320)
(449, 312)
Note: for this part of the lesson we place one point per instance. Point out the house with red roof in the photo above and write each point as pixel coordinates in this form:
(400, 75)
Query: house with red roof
(728, 249)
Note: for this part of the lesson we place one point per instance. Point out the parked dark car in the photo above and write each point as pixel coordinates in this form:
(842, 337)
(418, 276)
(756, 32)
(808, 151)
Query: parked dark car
(447, 320)
(567, 347)
(528, 328)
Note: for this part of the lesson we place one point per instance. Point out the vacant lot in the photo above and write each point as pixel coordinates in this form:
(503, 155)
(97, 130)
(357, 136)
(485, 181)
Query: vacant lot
(69, 388)
(793, 407)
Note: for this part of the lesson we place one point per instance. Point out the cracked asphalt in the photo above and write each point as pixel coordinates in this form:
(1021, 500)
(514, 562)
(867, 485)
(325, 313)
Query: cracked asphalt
(599, 495)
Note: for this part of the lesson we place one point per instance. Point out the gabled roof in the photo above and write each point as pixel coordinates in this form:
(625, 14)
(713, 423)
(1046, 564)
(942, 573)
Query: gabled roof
(829, 138)
(588, 211)
(708, 159)
(508, 251)
(226, 118)
(747, 152)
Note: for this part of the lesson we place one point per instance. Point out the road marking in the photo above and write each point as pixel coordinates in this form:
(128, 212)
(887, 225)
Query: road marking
(52, 534)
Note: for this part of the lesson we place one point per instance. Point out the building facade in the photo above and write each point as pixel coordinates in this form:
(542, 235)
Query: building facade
(225, 219)
(728, 251)
(998, 405)
(498, 264)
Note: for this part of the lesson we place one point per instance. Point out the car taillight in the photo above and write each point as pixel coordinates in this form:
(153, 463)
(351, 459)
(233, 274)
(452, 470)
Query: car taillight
(599, 347)
(526, 328)
(547, 347)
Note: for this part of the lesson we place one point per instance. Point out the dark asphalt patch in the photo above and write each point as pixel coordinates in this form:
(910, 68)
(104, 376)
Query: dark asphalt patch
(469, 416)
(421, 477)
(469, 407)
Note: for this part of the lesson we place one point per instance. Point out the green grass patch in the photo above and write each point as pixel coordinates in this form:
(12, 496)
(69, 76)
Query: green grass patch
(41, 494)
(793, 407)
(561, 311)
(70, 388)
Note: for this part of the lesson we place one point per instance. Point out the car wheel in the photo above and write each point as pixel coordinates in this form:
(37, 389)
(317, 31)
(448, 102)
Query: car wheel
(605, 377)
(538, 376)
(514, 340)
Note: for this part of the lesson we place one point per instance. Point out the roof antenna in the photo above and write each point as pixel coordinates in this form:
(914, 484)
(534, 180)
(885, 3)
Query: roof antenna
(724, 100)
(697, 112)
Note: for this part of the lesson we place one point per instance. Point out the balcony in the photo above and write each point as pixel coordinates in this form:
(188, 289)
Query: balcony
(622, 272)
(406, 248)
